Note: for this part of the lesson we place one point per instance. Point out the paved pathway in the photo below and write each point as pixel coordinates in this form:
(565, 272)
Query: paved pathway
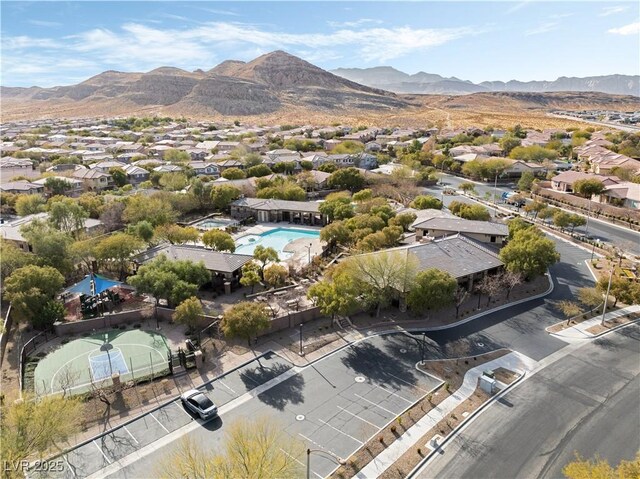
(579, 331)
(513, 361)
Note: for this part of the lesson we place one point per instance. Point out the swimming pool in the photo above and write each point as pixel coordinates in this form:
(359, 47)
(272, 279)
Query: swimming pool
(214, 223)
(277, 239)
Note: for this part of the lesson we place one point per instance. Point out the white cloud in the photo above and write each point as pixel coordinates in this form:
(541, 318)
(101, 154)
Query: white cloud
(24, 42)
(631, 29)
(544, 28)
(220, 12)
(44, 23)
(517, 6)
(354, 23)
(606, 11)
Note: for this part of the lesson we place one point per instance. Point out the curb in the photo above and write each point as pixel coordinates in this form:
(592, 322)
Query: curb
(156, 408)
(620, 326)
(460, 426)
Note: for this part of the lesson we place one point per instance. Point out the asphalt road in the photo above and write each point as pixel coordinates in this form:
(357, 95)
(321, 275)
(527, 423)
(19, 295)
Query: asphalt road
(604, 231)
(586, 402)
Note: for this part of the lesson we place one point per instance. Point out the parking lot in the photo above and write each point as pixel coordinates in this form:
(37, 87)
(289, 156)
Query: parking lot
(101, 452)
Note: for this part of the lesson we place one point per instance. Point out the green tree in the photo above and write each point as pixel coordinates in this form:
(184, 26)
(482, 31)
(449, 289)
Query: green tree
(529, 253)
(116, 251)
(29, 204)
(57, 186)
(336, 295)
(143, 230)
(30, 289)
(283, 191)
(526, 181)
(362, 196)
(404, 220)
(588, 187)
(119, 176)
(328, 167)
(380, 277)
(337, 208)
(176, 156)
(233, 174)
(533, 153)
(590, 297)
(49, 245)
(250, 275)
(175, 234)
(173, 181)
(561, 219)
(348, 147)
(245, 320)
(34, 427)
(467, 187)
(628, 292)
(346, 179)
(275, 275)
(568, 309)
(83, 253)
(189, 312)
(255, 448)
(336, 233)
(219, 240)
(154, 209)
(13, 258)
(67, 216)
(469, 212)
(259, 171)
(265, 255)
(174, 281)
(433, 289)
(92, 204)
(426, 202)
(222, 196)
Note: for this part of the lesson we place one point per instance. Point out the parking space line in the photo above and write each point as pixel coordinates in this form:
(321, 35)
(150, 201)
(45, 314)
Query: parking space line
(341, 432)
(71, 468)
(391, 392)
(161, 425)
(407, 382)
(311, 441)
(182, 409)
(356, 416)
(225, 385)
(128, 432)
(301, 463)
(375, 404)
(101, 451)
(249, 378)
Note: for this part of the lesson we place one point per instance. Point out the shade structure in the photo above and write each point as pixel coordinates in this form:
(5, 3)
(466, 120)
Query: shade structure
(93, 284)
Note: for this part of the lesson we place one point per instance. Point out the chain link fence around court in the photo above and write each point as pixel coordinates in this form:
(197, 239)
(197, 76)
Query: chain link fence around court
(103, 369)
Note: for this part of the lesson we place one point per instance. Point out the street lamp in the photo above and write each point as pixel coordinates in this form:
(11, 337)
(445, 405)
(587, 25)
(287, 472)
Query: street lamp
(328, 454)
(606, 298)
(424, 342)
(301, 351)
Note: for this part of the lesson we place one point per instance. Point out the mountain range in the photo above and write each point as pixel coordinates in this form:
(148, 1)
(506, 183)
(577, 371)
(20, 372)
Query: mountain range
(388, 78)
(279, 87)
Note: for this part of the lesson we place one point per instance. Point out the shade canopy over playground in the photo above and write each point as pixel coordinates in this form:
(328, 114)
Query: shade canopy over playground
(93, 284)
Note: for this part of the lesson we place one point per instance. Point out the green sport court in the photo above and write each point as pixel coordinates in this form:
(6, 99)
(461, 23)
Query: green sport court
(78, 364)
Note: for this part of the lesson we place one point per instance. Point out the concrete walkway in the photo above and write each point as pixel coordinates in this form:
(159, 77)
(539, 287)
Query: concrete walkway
(579, 331)
(514, 361)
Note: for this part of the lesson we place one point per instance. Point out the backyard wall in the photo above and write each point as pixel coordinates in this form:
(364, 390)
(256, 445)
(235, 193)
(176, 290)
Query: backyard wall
(6, 329)
(109, 320)
(292, 320)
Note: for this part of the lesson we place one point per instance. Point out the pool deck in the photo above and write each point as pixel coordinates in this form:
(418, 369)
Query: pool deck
(298, 248)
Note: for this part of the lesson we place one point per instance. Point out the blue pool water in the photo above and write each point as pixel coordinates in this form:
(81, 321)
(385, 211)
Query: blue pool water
(277, 239)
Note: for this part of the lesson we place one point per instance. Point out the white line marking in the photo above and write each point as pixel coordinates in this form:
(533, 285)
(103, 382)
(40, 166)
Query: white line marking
(101, 451)
(407, 382)
(161, 425)
(341, 432)
(71, 468)
(225, 385)
(128, 432)
(300, 462)
(356, 416)
(375, 404)
(182, 409)
(391, 392)
(311, 440)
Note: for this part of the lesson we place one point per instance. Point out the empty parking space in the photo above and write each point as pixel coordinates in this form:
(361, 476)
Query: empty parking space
(96, 454)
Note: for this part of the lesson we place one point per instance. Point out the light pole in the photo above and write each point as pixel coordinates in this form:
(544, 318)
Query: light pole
(586, 228)
(424, 342)
(309, 252)
(593, 250)
(495, 187)
(606, 298)
(301, 351)
(327, 454)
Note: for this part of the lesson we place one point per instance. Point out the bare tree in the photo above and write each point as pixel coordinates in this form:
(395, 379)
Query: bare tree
(459, 297)
(569, 309)
(509, 280)
(489, 285)
(67, 378)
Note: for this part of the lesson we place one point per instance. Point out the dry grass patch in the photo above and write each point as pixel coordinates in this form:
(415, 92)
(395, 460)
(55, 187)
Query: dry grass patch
(613, 323)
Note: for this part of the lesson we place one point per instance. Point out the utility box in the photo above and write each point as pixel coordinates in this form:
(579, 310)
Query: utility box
(488, 384)
(489, 373)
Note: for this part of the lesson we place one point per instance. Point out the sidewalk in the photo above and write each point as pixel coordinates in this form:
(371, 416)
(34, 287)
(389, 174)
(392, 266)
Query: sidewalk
(579, 331)
(514, 361)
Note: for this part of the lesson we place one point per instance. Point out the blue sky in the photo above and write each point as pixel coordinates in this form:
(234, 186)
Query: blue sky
(59, 43)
